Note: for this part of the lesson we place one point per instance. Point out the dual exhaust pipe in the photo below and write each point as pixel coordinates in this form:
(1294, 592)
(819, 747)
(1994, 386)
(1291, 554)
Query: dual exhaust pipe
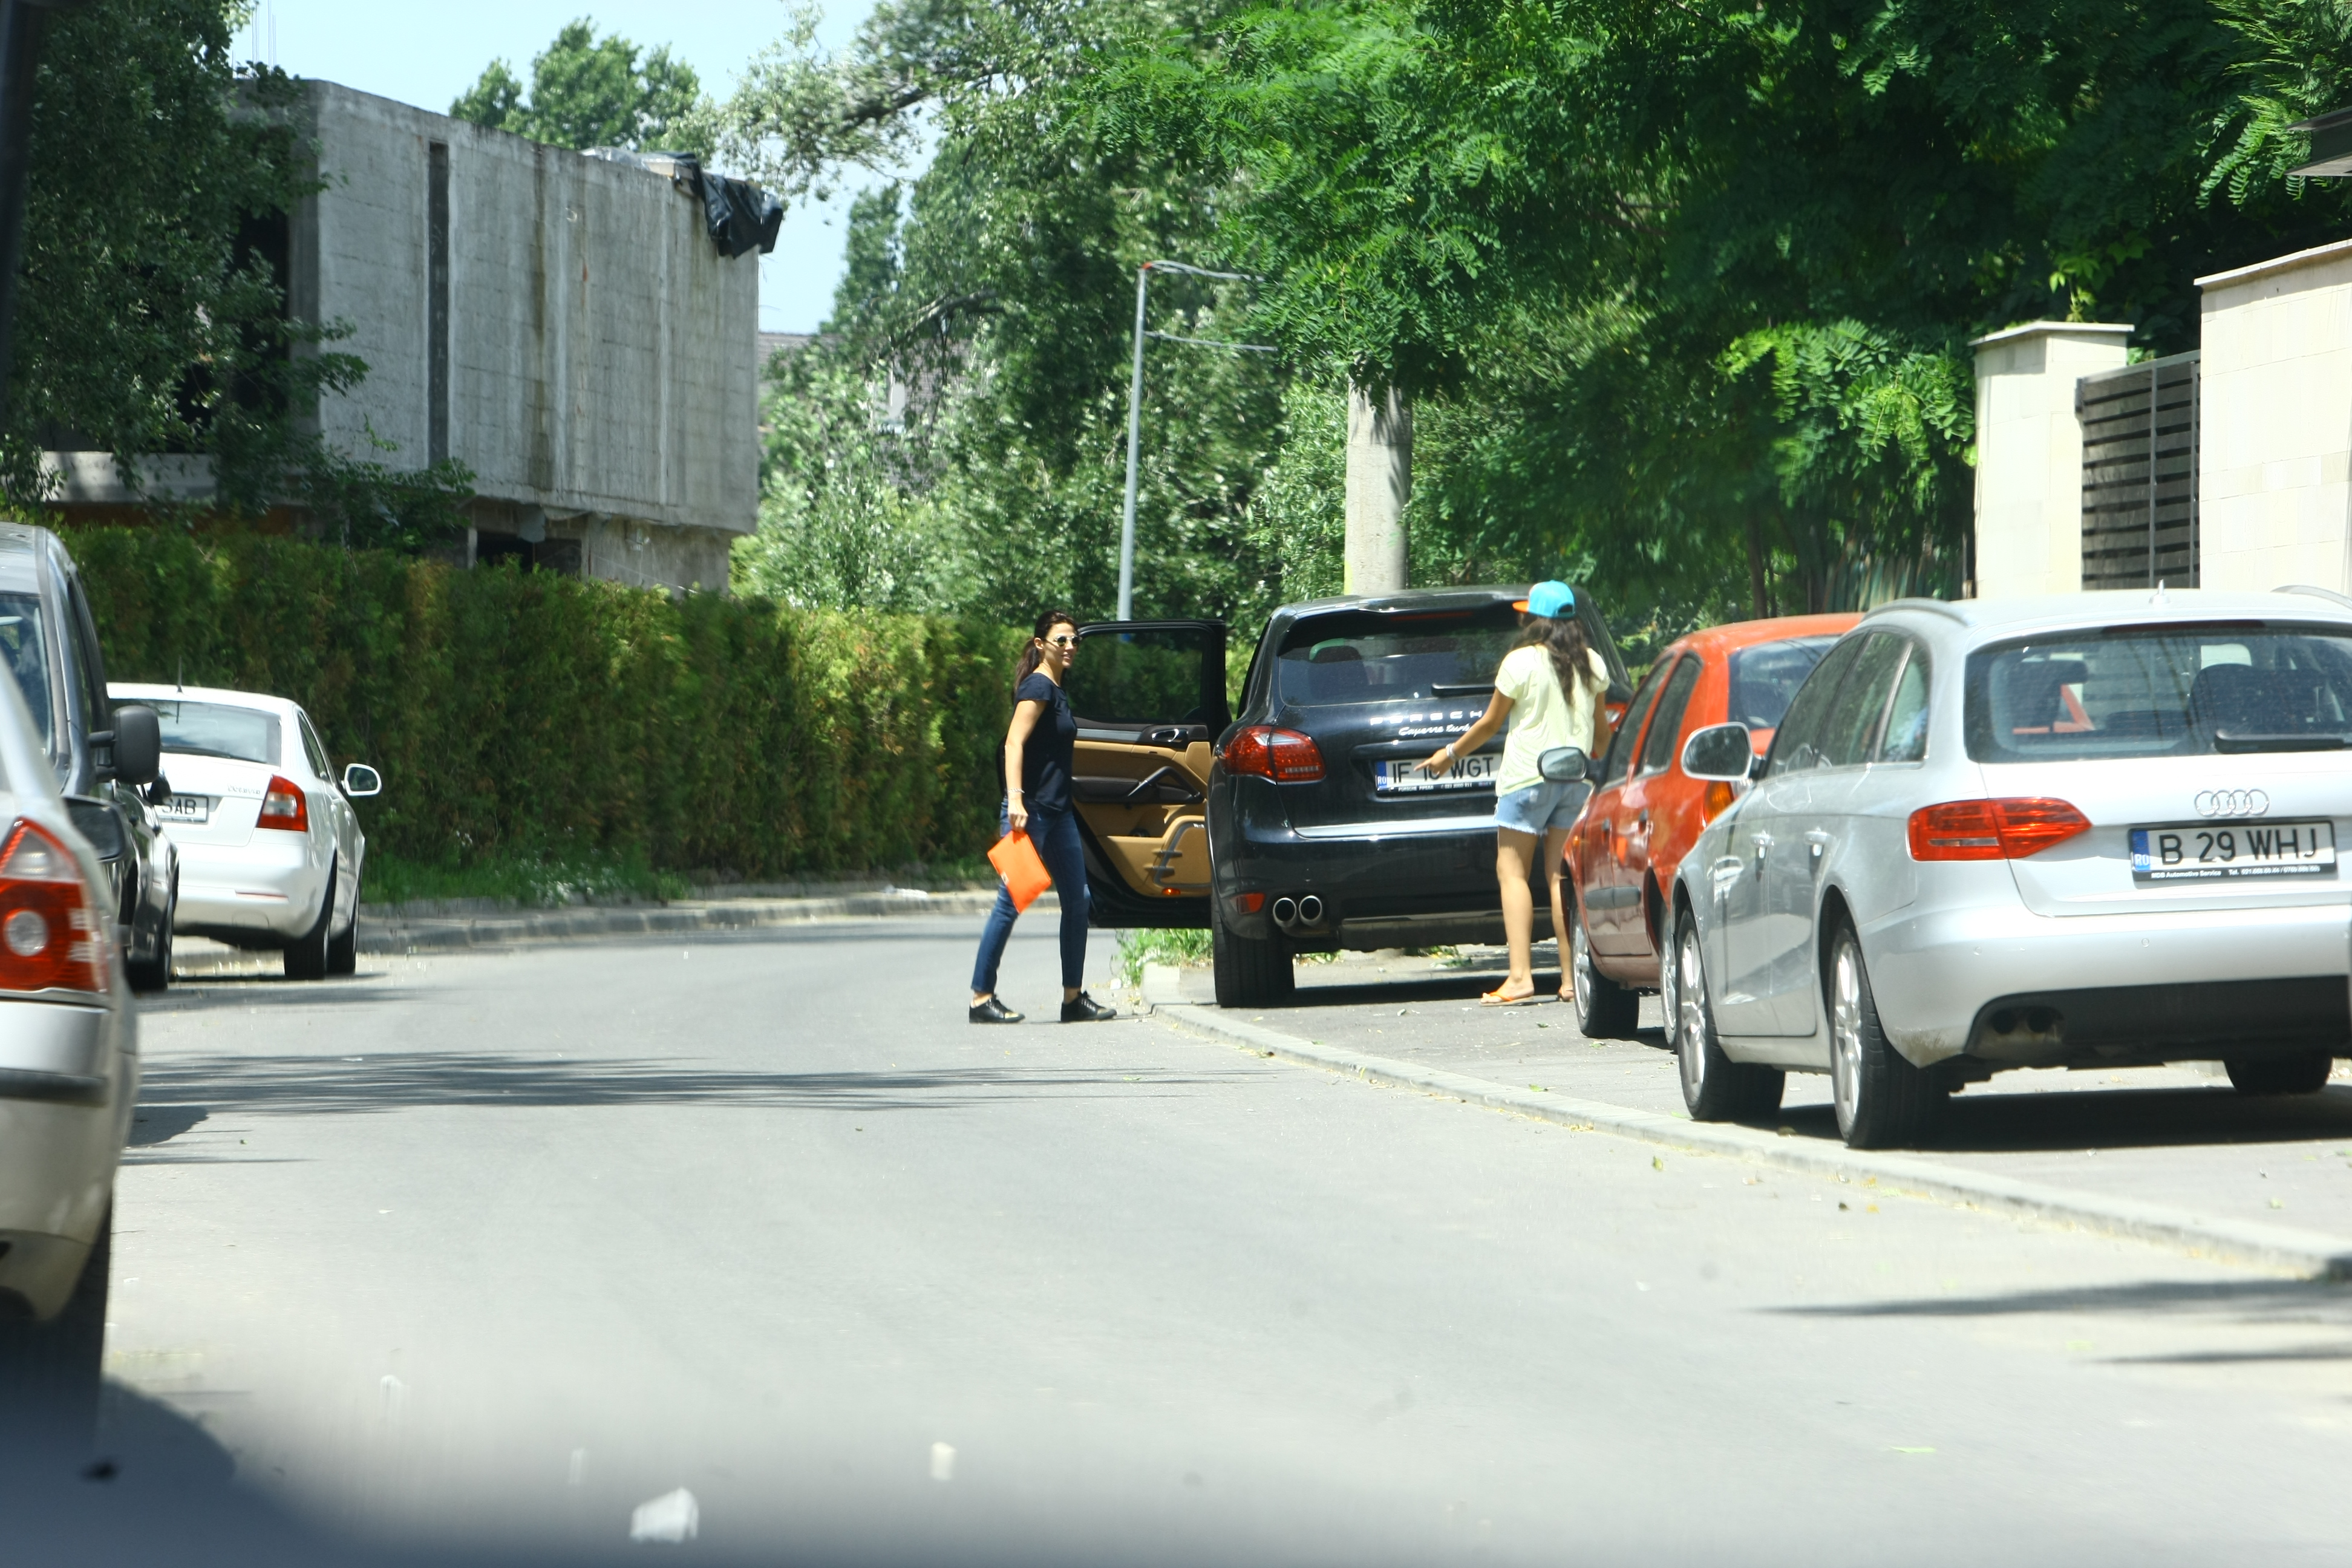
(1300, 913)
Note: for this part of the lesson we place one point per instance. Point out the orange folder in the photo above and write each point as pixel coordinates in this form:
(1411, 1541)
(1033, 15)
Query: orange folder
(1015, 860)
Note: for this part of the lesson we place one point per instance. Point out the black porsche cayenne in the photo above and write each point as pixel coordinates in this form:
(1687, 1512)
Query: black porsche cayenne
(1322, 832)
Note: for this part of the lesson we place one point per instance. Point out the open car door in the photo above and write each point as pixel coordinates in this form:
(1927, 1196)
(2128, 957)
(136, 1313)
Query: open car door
(1149, 699)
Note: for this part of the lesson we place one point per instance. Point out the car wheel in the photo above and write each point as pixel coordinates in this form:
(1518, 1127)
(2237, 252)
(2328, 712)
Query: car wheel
(1715, 1087)
(1604, 1009)
(307, 956)
(50, 1372)
(2303, 1074)
(343, 951)
(1249, 972)
(155, 974)
(1883, 1101)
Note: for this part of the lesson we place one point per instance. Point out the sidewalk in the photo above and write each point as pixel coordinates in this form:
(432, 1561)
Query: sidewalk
(458, 924)
(2169, 1154)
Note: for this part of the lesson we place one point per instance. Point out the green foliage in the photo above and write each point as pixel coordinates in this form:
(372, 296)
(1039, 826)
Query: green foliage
(587, 91)
(528, 717)
(533, 881)
(1175, 945)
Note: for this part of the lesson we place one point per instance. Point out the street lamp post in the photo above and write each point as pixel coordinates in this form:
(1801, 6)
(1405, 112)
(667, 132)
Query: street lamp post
(1134, 408)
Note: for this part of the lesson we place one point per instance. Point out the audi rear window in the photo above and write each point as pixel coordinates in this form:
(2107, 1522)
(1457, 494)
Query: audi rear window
(1362, 656)
(216, 730)
(2161, 692)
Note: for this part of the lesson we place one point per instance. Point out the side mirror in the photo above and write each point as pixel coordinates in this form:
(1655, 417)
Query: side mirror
(361, 780)
(1564, 764)
(1719, 751)
(137, 744)
(100, 824)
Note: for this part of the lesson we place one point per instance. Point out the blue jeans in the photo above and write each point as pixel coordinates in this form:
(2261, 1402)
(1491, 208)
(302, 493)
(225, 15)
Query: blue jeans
(1056, 838)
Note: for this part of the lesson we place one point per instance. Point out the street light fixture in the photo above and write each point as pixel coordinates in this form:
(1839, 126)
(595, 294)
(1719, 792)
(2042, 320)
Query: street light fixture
(1134, 407)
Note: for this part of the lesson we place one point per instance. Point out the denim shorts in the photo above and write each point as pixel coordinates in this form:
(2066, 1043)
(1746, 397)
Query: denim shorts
(1549, 804)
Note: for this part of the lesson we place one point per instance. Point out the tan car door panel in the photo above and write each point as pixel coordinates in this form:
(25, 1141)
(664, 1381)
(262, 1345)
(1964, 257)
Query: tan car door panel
(1150, 701)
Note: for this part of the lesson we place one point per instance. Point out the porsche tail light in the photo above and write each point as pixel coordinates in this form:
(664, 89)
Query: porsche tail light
(1285, 756)
(2008, 829)
(51, 933)
(284, 805)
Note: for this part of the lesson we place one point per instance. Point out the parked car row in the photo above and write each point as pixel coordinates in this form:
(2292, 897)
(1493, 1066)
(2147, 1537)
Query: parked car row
(103, 858)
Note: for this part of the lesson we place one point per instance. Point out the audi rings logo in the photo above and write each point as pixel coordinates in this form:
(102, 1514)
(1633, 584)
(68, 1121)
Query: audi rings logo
(2232, 803)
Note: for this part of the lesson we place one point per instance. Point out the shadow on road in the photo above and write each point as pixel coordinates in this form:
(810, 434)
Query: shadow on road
(1987, 1122)
(2318, 1304)
(180, 1093)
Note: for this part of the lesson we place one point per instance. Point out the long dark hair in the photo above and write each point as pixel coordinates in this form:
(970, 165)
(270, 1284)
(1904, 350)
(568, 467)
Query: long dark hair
(1562, 637)
(1026, 665)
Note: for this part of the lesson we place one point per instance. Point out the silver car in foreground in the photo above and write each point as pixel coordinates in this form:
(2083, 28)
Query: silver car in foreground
(2086, 831)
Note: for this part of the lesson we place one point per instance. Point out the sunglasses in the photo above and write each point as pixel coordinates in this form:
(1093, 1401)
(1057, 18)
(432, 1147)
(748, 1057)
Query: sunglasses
(1063, 642)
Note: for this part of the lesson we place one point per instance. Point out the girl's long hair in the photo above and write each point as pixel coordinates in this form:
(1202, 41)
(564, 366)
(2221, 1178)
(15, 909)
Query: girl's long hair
(1563, 638)
(1026, 665)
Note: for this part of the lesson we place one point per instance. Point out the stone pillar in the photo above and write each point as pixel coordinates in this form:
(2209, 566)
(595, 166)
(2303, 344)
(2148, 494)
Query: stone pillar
(1379, 480)
(2029, 499)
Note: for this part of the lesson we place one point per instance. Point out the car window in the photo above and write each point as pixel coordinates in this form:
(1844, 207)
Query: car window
(1906, 720)
(1363, 655)
(82, 668)
(1851, 729)
(1796, 747)
(1621, 745)
(2160, 691)
(213, 729)
(1764, 677)
(311, 749)
(1658, 748)
(22, 644)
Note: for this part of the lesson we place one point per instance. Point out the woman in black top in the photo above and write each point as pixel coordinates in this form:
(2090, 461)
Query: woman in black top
(1038, 749)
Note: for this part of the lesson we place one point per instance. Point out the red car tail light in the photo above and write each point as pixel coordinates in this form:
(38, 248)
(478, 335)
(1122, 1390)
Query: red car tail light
(1285, 756)
(50, 936)
(2008, 829)
(284, 805)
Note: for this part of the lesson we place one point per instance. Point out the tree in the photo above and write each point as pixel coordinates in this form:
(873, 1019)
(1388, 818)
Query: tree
(587, 91)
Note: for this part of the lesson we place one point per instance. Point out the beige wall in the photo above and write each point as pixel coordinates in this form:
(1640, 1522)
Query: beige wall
(2276, 444)
(2028, 499)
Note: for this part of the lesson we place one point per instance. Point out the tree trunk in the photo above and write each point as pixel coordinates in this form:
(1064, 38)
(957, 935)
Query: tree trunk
(1759, 593)
(1379, 481)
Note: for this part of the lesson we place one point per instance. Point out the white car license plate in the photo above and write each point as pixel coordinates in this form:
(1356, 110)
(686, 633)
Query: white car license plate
(186, 808)
(2214, 852)
(1468, 772)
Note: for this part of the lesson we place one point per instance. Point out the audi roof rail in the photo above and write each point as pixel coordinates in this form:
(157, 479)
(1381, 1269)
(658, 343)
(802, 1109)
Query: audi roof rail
(2313, 591)
(1933, 606)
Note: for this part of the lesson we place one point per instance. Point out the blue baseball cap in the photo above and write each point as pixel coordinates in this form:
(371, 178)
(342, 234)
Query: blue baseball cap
(1552, 600)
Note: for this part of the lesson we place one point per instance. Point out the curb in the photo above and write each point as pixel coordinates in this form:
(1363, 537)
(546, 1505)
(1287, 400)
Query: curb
(2279, 1248)
(380, 937)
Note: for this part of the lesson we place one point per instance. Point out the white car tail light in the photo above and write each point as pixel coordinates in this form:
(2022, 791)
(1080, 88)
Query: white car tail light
(284, 805)
(51, 934)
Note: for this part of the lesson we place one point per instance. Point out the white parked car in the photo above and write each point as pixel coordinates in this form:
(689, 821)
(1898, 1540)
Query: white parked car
(271, 849)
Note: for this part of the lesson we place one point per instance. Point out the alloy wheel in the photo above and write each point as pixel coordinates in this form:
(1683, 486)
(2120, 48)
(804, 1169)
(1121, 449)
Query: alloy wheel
(1688, 1004)
(1845, 1034)
(1580, 965)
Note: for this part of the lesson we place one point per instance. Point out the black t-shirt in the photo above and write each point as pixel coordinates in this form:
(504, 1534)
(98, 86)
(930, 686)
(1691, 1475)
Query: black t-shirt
(1047, 757)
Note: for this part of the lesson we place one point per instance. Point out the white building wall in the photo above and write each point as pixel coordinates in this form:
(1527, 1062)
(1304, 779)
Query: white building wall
(2274, 495)
(2029, 480)
(603, 354)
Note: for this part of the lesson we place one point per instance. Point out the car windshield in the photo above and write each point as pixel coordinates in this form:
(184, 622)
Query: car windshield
(21, 642)
(1764, 679)
(216, 730)
(2161, 692)
(1361, 656)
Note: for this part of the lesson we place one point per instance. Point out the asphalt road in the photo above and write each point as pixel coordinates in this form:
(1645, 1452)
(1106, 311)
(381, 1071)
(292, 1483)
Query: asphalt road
(467, 1258)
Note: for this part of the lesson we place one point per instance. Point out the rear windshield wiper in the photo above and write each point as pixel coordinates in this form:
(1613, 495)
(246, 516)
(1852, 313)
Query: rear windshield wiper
(2234, 740)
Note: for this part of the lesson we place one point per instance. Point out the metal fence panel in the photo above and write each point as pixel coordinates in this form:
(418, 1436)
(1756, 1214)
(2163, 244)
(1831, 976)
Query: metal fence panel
(2139, 474)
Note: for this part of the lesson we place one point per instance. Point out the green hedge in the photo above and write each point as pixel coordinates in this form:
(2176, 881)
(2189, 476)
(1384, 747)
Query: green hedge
(522, 713)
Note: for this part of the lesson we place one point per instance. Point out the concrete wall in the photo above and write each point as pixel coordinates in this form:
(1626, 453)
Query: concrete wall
(602, 354)
(2275, 488)
(2028, 495)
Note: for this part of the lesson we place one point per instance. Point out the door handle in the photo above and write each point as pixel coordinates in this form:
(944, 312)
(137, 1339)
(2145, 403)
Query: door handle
(1819, 841)
(1763, 841)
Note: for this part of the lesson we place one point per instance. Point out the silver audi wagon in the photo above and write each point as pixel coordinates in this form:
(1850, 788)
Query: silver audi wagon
(2088, 830)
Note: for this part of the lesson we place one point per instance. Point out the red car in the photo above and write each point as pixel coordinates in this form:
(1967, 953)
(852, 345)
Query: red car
(1645, 812)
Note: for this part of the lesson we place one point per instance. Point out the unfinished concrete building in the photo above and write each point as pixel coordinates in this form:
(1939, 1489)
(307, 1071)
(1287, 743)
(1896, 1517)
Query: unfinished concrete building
(561, 324)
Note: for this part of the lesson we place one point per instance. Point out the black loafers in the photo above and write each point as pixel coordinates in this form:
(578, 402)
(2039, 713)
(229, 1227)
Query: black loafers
(1085, 1009)
(993, 1011)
